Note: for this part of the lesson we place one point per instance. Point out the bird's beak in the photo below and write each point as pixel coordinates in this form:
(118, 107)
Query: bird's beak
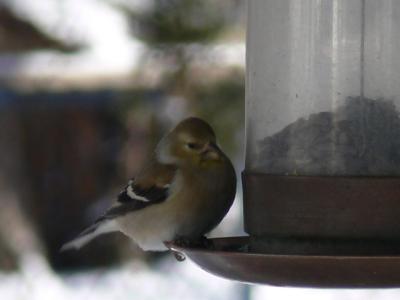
(211, 151)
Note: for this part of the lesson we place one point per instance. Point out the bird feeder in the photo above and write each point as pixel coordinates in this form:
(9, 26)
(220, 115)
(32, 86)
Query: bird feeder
(321, 183)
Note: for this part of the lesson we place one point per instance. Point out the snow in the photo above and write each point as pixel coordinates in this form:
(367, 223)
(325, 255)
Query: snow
(109, 52)
(100, 26)
(134, 280)
(273, 293)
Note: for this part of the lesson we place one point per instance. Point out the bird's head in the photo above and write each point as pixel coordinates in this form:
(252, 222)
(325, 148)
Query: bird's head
(191, 142)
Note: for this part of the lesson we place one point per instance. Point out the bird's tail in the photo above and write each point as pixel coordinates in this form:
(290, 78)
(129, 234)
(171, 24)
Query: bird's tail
(90, 233)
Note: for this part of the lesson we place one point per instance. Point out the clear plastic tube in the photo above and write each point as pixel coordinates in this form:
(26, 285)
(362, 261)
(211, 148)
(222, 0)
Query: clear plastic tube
(323, 87)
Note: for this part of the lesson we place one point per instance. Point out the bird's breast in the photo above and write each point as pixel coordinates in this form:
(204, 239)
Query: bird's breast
(199, 205)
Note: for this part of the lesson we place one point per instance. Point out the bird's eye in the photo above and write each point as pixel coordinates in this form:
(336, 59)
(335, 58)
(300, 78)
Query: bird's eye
(193, 146)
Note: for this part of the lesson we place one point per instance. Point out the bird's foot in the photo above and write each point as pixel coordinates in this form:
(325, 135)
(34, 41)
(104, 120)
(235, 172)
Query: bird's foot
(202, 242)
(183, 242)
(206, 243)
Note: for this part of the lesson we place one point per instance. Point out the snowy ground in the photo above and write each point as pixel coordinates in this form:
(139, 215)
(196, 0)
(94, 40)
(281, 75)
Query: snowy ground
(168, 280)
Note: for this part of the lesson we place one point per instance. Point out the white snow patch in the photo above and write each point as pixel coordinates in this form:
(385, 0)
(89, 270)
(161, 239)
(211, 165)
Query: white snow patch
(134, 280)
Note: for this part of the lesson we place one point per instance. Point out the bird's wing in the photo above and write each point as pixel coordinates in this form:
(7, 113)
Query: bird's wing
(150, 187)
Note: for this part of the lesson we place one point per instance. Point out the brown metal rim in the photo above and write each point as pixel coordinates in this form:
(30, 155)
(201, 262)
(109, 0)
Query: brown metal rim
(355, 207)
(244, 240)
(294, 270)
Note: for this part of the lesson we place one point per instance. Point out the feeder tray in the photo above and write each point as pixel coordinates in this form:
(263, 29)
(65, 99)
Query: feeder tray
(231, 258)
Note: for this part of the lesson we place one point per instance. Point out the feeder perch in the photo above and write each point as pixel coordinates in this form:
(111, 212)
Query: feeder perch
(322, 177)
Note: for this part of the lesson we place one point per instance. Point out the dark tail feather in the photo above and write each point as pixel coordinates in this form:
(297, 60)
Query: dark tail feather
(89, 234)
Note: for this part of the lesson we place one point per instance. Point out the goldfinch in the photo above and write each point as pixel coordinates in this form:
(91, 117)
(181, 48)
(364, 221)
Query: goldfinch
(183, 193)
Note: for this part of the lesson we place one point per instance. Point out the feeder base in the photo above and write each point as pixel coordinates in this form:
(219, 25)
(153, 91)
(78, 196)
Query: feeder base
(231, 258)
(333, 207)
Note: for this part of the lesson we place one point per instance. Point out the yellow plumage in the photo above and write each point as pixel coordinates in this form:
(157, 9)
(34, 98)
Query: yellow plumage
(184, 192)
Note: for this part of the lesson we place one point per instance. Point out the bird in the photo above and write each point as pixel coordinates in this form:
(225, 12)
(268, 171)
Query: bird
(183, 192)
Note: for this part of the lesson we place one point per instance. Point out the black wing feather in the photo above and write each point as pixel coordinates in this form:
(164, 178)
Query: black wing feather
(153, 194)
(128, 203)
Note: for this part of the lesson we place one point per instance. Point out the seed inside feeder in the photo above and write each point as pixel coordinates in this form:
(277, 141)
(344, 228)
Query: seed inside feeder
(361, 137)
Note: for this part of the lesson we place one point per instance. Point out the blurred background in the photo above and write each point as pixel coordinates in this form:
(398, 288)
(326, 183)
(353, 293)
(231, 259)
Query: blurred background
(86, 90)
